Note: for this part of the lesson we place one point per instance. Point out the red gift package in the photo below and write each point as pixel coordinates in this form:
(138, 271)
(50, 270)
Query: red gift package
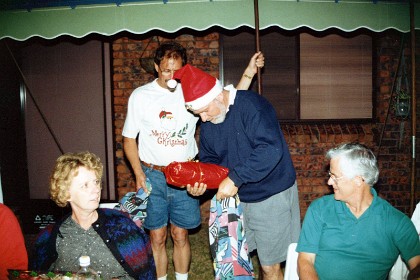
(189, 172)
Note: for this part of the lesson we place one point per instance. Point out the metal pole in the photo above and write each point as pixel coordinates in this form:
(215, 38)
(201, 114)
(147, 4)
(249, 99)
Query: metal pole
(413, 107)
(257, 42)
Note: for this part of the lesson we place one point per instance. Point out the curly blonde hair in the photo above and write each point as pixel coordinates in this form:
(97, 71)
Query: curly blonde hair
(66, 168)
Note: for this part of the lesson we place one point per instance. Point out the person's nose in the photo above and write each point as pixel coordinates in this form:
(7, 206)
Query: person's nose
(96, 191)
(95, 186)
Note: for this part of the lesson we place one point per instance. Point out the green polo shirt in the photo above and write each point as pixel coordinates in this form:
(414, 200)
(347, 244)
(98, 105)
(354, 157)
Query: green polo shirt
(351, 248)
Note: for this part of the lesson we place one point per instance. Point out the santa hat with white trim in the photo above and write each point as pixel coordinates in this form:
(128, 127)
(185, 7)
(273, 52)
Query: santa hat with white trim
(199, 87)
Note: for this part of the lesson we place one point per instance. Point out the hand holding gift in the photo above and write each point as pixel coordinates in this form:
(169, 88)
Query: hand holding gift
(197, 189)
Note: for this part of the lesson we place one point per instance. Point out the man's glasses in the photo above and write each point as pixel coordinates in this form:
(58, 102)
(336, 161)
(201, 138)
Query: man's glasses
(334, 178)
(167, 72)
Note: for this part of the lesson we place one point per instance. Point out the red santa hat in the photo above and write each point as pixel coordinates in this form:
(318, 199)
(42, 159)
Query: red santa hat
(199, 87)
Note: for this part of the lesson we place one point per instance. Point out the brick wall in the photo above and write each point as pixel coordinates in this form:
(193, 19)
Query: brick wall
(307, 143)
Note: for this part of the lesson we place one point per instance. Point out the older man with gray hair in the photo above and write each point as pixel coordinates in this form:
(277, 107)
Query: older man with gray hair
(240, 131)
(354, 234)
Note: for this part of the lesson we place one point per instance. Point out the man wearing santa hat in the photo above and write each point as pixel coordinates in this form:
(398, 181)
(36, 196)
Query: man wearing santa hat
(240, 131)
(165, 130)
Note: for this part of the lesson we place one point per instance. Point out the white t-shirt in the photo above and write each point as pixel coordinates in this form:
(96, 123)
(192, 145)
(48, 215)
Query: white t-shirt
(164, 127)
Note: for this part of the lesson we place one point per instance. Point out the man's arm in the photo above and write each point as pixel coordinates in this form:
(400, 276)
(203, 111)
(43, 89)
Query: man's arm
(257, 61)
(306, 268)
(131, 152)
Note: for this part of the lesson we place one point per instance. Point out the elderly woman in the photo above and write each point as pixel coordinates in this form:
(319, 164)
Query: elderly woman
(116, 246)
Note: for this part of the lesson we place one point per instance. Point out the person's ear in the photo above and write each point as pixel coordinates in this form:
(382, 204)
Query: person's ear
(359, 181)
(156, 67)
(220, 96)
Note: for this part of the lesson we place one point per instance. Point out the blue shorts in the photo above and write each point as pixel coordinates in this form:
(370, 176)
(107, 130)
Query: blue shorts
(169, 203)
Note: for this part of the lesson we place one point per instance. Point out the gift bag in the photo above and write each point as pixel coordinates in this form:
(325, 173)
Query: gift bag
(228, 245)
(180, 174)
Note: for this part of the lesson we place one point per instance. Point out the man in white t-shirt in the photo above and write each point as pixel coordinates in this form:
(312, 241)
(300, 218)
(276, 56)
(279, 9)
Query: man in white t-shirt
(165, 130)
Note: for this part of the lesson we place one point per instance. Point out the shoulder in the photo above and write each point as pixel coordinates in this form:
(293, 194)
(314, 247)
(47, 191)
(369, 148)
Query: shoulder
(118, 226)
(48, 233)
(6, 213)
(53, 228)
(323, 202)
(116, 219)
(251, 100)
(107, 213)
(115, 224)
(389, 212)
(248, 96)
(151, 87)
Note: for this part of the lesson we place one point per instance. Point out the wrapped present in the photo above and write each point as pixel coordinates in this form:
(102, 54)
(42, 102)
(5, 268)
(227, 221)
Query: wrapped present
(183, 173)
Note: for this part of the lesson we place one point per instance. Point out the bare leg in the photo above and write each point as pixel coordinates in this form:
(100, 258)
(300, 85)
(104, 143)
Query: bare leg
(158, 240)
(272, 272)
(182, 249)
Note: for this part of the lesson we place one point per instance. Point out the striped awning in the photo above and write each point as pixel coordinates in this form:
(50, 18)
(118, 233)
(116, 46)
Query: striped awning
(81, 18)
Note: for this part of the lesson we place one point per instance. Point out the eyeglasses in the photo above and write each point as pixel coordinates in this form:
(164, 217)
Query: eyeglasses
(334, 178)
(168, 72)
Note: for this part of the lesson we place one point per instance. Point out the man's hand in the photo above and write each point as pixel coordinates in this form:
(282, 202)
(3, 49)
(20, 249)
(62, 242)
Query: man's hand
(227, 188)
(196, 190)
(141, 182)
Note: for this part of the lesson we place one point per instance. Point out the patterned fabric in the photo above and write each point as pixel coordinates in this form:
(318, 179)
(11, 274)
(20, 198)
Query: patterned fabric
(227, 240)
(128, 243)
(74, 241)
(135, 204)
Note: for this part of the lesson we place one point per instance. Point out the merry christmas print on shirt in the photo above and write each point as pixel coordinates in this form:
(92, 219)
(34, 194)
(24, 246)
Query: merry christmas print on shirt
(168, 136)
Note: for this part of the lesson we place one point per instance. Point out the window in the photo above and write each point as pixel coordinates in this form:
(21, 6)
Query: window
(335, 77)
(307, 77)
(279, 75)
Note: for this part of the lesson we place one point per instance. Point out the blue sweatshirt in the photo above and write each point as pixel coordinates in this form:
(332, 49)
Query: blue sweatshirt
(251, 144)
